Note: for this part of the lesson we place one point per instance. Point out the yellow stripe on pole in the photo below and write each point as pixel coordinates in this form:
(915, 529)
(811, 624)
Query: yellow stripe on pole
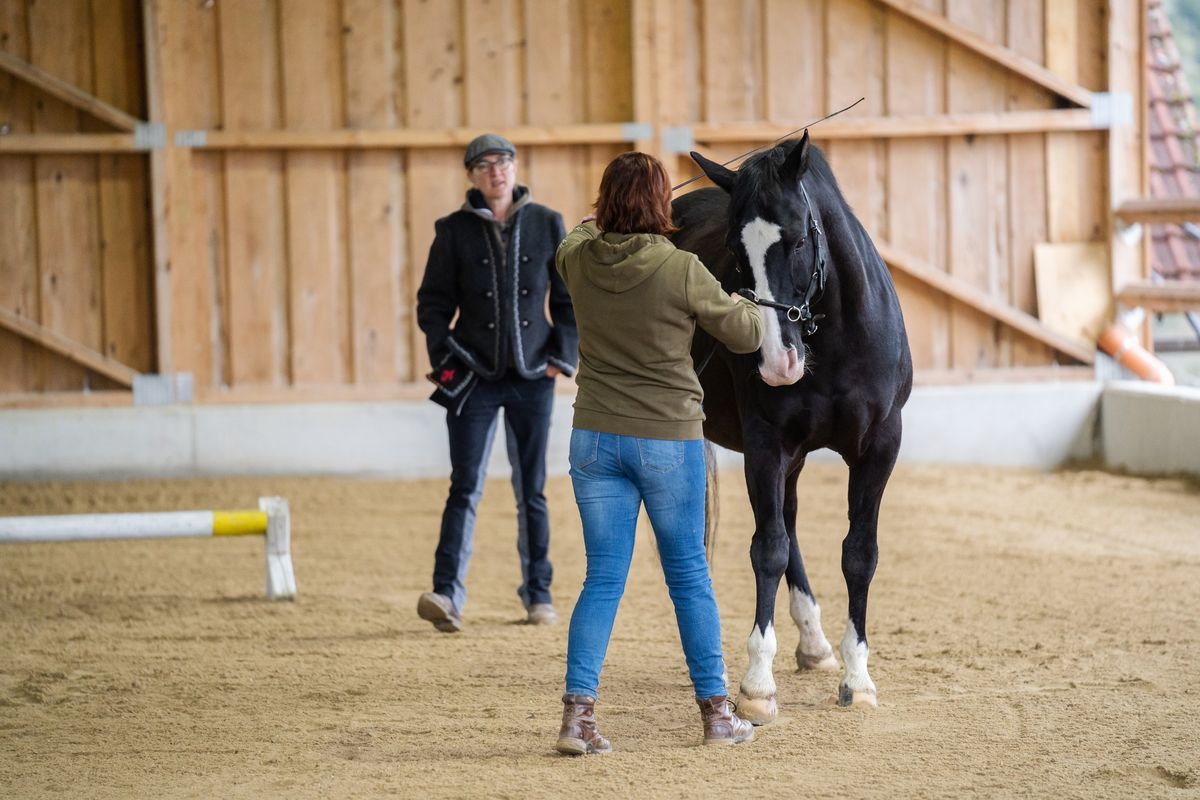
(239, 523)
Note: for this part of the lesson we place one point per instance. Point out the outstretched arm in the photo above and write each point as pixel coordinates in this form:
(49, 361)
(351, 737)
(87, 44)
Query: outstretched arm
(580, 234)
(731, 319)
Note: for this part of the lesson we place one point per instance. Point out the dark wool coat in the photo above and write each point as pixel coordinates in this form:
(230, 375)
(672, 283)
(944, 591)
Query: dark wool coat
(499, 296)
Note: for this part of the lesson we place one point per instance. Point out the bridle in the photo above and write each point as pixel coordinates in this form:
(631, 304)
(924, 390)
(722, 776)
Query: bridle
(801, 314)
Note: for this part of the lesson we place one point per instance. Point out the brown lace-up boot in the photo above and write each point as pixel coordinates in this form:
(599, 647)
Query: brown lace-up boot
(721, 724)
(579, 735)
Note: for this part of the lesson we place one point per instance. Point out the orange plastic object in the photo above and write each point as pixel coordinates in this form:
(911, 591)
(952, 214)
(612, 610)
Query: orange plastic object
(1120, 343)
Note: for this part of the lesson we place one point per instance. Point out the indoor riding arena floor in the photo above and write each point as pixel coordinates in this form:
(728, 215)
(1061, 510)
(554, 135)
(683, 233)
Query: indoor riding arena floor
(1032, 635)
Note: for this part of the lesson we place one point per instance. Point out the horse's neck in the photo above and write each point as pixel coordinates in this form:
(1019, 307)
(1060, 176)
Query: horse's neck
(853, 265)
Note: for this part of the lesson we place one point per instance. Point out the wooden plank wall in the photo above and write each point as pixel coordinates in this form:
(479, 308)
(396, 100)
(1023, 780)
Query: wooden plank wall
(313, 286)
(293, 272)
(74, 236)
(972, 206)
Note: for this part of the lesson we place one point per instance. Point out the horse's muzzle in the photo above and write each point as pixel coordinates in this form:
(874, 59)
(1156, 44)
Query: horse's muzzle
(782, 371)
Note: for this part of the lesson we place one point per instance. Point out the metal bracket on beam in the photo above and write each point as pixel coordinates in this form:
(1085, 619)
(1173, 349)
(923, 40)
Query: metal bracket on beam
(162, 390)
(191, 138)
(678, 139)
(636, 131)
(1112, 109)
(149, 136)
(1130, 233)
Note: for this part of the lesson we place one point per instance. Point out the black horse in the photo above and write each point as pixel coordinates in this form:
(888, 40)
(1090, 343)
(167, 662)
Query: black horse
(834, 371)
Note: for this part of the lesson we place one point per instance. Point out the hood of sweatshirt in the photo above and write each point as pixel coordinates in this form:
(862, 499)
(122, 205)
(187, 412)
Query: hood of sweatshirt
(477, 205)
(618, 262)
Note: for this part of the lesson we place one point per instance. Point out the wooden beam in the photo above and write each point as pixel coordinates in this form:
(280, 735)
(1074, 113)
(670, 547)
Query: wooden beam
(1128, 151)
(916, 125)
(993, 52)
(943, 377)
(646, 77)
(78, 353)
(1175, 297)
(983, 302)
(1159, 210)
(159, 189)
(104, 398)
(608, 133)
(329, 393)
(312, 393)
(67, 92)
(69, 143)
(358, 139)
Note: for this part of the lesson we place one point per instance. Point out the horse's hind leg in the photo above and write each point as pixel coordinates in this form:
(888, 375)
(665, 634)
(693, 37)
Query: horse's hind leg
(814, 650)
(860, 552)
(765, 477)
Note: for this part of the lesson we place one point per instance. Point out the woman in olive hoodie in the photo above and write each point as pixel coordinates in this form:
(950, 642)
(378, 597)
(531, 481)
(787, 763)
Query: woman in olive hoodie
(638, 432)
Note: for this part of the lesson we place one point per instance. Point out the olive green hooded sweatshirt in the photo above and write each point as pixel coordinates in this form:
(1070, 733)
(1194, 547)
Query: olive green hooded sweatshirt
(637, 302)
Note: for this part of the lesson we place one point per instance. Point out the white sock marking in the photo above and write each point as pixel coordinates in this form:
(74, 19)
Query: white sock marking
(807, 616)
(759, 680)
(854, 656)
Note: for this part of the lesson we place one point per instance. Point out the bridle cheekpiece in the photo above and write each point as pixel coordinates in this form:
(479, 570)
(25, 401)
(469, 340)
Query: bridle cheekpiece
(802, 314)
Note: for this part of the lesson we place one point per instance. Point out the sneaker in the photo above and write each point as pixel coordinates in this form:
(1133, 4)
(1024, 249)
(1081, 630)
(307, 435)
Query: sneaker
(542, 614)
(437, 608)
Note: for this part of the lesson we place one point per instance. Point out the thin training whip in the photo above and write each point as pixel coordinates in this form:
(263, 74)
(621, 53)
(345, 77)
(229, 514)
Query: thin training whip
(768, 144)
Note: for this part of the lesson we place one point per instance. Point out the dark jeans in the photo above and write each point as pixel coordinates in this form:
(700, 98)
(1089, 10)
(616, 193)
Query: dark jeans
(527, 405)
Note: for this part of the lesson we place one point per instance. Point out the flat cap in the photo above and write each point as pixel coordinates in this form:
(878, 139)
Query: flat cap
(485, 145)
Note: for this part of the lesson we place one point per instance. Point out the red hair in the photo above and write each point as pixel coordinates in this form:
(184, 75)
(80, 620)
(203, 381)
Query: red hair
(635, 196)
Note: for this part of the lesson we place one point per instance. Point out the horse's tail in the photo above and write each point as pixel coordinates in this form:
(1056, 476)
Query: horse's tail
(712, 507)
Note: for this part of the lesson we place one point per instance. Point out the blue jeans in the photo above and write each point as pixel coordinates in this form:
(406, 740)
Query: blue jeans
(612, 476)
(527, 405)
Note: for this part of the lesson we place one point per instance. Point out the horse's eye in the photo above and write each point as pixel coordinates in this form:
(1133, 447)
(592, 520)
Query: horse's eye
(799, 244)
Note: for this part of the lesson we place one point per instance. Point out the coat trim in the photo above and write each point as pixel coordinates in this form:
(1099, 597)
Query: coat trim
(466, 355)
(487, 238)
(563, 366)
(515, 272)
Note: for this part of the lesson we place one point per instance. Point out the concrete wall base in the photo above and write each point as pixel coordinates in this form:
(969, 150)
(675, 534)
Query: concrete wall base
(1037, 425)
(1149, 429)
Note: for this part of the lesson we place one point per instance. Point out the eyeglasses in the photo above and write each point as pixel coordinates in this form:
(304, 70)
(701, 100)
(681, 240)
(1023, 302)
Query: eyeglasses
(483, 167)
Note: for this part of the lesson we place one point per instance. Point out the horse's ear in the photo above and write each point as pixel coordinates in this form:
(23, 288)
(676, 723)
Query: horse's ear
(797, 161)
(721, 176)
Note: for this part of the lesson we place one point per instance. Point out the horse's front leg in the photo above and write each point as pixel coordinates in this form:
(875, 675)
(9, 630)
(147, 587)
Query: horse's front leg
(860, 553)
(766, 472)
(813, 650)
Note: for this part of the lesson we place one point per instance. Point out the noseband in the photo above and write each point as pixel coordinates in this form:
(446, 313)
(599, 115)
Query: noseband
(802, 313)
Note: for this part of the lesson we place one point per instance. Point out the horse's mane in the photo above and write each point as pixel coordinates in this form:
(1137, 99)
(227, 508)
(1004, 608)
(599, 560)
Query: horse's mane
(760, 174)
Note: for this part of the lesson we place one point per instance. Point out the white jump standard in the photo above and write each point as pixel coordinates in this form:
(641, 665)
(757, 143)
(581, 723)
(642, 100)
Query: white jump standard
(272, 520)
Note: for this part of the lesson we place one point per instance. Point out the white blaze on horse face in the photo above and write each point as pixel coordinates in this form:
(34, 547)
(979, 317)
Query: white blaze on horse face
(814, 650)
(759, 680)
(854, 656)
(779, 366)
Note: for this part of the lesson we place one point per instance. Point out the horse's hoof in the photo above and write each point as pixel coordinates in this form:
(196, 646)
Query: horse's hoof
(857, 698)
(825, 662)
(758, 710)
